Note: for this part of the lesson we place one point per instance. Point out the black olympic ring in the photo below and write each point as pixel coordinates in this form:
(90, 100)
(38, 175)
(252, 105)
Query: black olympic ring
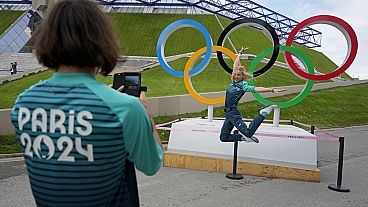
(252, 22)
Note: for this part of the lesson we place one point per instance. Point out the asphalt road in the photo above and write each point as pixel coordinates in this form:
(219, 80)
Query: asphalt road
(180, 188)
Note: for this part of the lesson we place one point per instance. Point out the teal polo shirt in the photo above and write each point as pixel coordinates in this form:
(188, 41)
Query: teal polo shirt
(77, 135)
(235, 92)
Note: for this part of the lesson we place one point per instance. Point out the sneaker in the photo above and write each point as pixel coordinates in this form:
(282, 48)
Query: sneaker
(247, 139)
(250, 139)
(267, 109)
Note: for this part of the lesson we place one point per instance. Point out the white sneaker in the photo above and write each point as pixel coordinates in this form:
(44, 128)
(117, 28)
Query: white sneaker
(247, 139)
(268, 109)
(250, 139)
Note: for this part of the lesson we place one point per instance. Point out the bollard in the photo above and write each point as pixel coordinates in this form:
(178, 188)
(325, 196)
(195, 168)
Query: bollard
(233, 175)
(338, 186)
(312, 129)
(312, 132)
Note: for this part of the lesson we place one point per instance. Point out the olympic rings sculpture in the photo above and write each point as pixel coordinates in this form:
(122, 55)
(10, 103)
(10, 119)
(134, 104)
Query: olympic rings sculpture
(269, 31)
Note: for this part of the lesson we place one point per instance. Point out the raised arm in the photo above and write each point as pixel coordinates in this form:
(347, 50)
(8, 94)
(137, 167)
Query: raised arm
(143, 100)
(237, 61)
(238, 56)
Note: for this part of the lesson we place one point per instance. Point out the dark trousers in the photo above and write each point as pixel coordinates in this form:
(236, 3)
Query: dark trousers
(233, 118)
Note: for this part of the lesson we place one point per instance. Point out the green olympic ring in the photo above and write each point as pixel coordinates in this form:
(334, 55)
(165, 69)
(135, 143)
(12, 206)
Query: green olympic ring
(302, 95)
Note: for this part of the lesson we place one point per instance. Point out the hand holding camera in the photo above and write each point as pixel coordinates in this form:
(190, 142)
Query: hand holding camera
(129, 83)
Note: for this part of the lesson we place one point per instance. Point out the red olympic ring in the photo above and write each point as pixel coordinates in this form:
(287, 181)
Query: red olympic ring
(336, 22)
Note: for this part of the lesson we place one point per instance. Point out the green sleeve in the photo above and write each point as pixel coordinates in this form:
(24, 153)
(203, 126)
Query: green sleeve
(247, 88)
(141, 145)
(140, 142)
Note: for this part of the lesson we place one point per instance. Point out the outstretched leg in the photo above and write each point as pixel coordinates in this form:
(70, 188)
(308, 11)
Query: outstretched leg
(257, 121)
(253, 126)
(234, 119)
(226, 135)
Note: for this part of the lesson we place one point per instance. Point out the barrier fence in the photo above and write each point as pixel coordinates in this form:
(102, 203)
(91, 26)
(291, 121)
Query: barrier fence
(327, 137)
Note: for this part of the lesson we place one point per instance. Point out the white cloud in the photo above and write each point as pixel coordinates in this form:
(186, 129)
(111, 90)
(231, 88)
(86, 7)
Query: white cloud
(333, 44)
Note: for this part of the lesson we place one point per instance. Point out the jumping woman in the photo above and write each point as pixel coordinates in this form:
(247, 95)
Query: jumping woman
(236, 90)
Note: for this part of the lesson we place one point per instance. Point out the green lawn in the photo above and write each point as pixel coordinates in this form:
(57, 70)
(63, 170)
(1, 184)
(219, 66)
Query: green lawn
(321, 61)
(9, 91)
(144, 30)
(212, 79)
(8, 144)
(161, 83)
(7, 18)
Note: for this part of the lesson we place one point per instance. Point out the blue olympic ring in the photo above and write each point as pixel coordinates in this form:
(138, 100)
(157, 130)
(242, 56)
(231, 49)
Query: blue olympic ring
(160, 48)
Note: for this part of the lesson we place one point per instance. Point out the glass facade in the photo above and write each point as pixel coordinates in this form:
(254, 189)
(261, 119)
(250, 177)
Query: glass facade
(18, 34)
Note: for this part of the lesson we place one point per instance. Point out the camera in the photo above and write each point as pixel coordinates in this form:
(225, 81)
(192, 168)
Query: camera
(131, 82)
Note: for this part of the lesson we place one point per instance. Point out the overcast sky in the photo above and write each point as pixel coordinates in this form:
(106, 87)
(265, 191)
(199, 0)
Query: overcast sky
(333, 42)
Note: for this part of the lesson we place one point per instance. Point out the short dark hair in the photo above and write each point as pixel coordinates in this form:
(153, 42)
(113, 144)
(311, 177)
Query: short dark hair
(76, 33)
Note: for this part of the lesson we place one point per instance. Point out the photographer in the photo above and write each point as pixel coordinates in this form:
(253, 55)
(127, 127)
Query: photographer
(79, 135)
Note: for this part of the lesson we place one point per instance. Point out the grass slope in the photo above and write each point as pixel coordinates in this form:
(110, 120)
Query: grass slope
(144, 30)
(7, 18)
(10, 91)
(212, 79)
(138, 35)
(161, 83)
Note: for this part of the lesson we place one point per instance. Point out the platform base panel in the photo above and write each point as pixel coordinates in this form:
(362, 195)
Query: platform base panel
(220, 165)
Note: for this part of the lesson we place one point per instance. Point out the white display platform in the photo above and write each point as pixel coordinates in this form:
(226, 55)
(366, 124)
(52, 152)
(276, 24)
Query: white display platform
(201, 137)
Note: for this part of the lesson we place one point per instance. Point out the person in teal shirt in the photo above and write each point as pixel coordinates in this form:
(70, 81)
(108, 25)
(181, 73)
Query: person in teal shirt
(234, 93)
(79, 135)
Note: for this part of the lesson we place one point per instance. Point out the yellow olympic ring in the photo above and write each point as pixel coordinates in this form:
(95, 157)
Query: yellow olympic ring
(188, 67)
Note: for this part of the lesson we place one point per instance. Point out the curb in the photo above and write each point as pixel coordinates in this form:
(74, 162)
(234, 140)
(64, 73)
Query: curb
(337, 128)
(11, 155)
(4, 156)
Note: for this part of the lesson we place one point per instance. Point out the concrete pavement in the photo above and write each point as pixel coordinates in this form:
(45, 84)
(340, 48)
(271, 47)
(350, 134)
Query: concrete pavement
(182, 188)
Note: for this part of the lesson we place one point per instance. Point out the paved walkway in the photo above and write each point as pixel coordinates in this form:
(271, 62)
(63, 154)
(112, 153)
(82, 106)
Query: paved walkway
(182, 188)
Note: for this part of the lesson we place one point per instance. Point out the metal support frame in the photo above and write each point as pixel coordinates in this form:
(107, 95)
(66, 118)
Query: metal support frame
(234, 175)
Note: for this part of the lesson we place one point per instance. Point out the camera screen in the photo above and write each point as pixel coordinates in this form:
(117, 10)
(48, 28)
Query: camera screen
(131, 82)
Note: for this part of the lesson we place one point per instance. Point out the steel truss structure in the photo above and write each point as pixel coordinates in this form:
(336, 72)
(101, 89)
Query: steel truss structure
(231, 9)
(234, 10)
(19, 5)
